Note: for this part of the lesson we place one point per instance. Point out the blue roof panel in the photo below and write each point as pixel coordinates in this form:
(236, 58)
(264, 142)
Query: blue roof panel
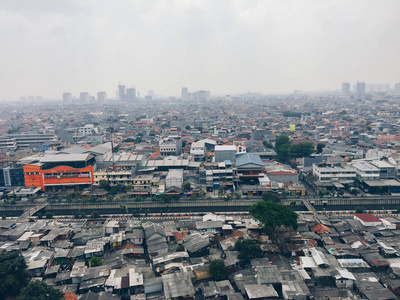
(248, 158)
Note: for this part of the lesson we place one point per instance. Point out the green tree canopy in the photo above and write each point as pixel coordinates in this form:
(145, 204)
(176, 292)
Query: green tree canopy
(282, 147)
(49, 215)
(37, 290)
(95, 261)
(218, 270)
(180, 248)
(270, 196)
(13, 274)
(272, 215)
(104, 184)
(320, 147)
(301, 150)
(280, 141)
(128, 140)
(248, 249)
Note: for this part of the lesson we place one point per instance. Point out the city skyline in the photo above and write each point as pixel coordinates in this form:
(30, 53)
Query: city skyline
(226, 47)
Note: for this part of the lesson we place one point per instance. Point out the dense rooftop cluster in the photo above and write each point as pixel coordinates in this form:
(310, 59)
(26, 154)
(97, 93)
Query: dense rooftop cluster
(340, 258)
(222, 147)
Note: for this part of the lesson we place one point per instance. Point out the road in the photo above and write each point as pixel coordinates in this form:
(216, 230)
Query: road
(27, 214)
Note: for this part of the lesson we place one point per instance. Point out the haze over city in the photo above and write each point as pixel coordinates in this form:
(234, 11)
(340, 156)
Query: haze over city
(228, 47)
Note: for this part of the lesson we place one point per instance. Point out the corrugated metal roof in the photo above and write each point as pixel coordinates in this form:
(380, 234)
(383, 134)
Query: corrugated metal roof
(248, 158)
(65, 157)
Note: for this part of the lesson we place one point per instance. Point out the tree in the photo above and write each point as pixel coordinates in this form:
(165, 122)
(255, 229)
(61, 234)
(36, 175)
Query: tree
(78, 195)
(186, 187)
(138, 140)
(95, 261)
(69, 198)
(283, 153)
(218, 270)
(320, 147)
(180, 248)
(270, 196)
(248, 250)
(280, 141)
(301, 150)
(49, 215)
(37, 290)
(267, 145)
(104, 184)
(272, 215)
(92, 199)
(128, 140)
(187, 127)
(13, 274)
(113, 190)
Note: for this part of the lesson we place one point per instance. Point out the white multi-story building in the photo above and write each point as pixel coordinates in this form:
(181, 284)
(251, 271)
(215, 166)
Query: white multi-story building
(120, 177)
(334, 173)
(386, 170)
(171, 146)
(198, 150)
(366, 170)
(88, 129)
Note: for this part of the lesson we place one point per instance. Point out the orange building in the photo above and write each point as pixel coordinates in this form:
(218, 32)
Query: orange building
(57, 171)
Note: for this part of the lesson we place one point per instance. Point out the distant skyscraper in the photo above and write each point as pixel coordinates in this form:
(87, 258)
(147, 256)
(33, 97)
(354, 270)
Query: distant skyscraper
(31, 99)
(102, 97)
(67, 98)
(185, 91)
(23, 99)
(121, 92)
(360, 87)
(203, 95)
(397, 89)
(150, 93)
(130, 94)
(39, 99)
(346, 88)
(84, 97)
(376, 88)
(196, 96)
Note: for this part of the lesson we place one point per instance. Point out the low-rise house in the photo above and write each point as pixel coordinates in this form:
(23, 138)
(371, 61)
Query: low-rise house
(152, 285)
(37, 267)
(136, 236)
(209, 225)
(197, 245)
(155, 240)
(367, 220)
(178, 285)
(344, 279)
(260, 291)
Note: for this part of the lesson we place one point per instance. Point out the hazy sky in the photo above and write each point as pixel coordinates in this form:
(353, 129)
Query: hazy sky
(49, 46)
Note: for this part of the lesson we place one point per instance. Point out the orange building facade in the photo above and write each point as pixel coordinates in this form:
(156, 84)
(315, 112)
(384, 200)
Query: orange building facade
(57, 177)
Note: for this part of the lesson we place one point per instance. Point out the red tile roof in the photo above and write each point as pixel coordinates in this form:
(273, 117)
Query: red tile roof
(367, 218)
